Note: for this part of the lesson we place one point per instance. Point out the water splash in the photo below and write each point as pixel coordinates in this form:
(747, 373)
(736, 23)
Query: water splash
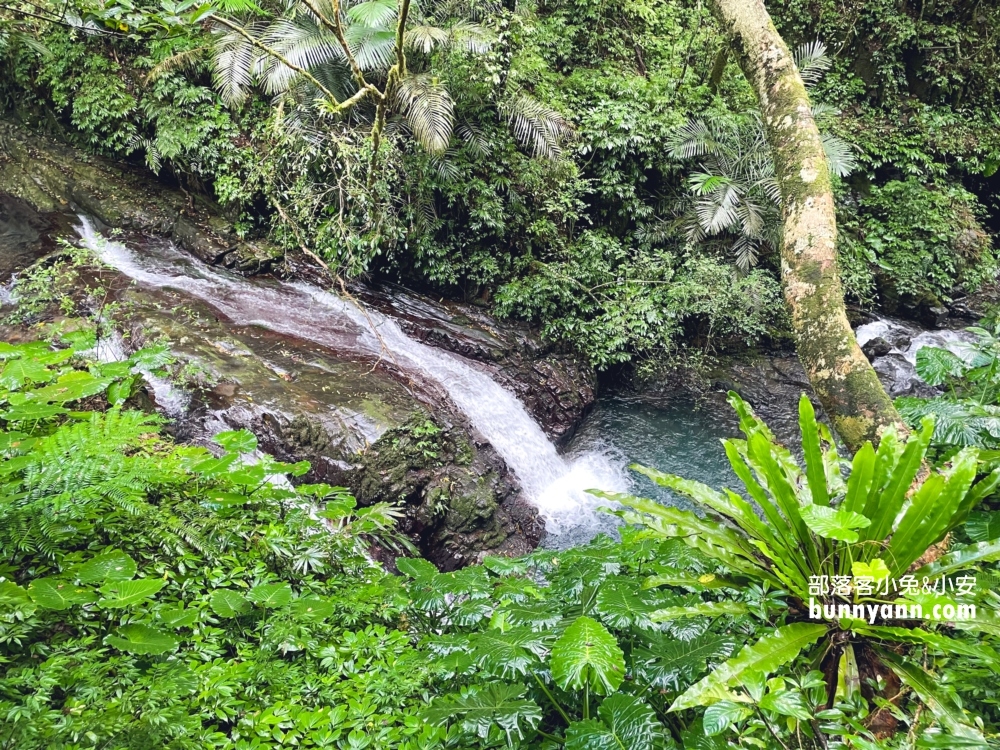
(554, 484)
(907, 339)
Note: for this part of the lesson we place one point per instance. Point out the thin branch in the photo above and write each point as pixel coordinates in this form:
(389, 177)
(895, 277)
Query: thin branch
(337, 27)
(278, 56)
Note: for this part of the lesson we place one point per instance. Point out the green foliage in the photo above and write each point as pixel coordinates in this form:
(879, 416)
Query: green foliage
(968, 413)
(812, 525)
(155, 595)
(924, 242)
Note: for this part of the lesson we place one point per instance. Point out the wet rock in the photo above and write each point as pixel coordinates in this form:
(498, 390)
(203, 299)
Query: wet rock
(876, 347)
(55, 179)
(557, 387)
(359, 426)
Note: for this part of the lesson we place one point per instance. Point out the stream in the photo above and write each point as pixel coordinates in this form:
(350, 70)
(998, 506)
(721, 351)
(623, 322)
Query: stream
(555, 484)
(671, 433)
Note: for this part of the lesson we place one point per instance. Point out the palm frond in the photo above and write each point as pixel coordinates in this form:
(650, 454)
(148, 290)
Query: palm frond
(425, 38)
(812, 61)
(374, 49)
(536, 125)
(471, 37)
(428, 109)
(478, 142)
(303, 43)
(693, 138)
(185, 60)
(374, 14)
(840, 155)
(233, 65)
(746, 253)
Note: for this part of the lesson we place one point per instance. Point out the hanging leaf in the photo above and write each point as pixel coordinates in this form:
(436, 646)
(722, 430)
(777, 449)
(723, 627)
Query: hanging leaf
(587, 653)
(120, 594)
(229, 603)
(625, 722)
(480, 709)
(722, 715)
(270, 595)
(142, 639)
(114, 565)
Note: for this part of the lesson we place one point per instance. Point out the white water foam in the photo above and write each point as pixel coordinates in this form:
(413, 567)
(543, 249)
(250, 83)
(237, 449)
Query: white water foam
(957, 342)
(555, 485)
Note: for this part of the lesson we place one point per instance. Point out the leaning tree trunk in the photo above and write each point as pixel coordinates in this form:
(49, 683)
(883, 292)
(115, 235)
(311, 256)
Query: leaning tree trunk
(843, 379)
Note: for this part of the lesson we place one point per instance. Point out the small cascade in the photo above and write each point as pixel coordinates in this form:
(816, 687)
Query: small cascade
(896, 361)
(554, 484)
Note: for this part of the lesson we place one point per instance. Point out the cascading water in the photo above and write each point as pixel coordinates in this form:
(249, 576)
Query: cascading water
(556, 486)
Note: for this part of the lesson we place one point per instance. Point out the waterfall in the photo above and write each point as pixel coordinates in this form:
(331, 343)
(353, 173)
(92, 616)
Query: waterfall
(554, 484)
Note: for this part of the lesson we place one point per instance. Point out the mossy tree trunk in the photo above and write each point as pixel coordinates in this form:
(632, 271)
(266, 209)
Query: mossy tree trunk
(843, 379)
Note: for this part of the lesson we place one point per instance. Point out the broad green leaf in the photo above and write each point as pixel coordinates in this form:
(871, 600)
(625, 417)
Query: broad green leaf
(621, 608)
(893, 479)
(119, 594)
(931, 508)
(877, 570)
(113, 565)
(14, 598)
(935, 365)
(668, 663)
(815, 472)
(941, 704)
(270, 595)
(509, 654)
(960, 558)
(52, 593)
(536, 616)
(707, 609)
(229, 603)
(832, 523)
(937, 642)
(237, 441)
(860, 482)
(697, 582)
(587, 653)
(142, 639)
(722, 715)
(772, 651)
(313, 607)
(625, 722)
(72, 386)
(787, 703)
(480, 709)
(32, 411)
(17, 372)
(983, 526)
(178, 617)
(415, 567)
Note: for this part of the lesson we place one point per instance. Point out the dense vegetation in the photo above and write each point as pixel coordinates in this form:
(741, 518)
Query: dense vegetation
(597, 168)
(161, 595)
(601, 170)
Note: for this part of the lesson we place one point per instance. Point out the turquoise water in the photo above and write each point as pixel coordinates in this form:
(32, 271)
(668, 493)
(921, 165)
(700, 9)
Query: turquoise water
(678, 435)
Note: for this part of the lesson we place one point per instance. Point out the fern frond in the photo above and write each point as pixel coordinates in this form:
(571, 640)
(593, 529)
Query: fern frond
(428, 109)
(185, 60)
(812, 61)
(536, 125)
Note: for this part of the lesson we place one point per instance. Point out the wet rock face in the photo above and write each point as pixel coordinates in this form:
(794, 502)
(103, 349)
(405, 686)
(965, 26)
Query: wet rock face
(459, 498)
(55, 179)
(359, 426)
(556, 386)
